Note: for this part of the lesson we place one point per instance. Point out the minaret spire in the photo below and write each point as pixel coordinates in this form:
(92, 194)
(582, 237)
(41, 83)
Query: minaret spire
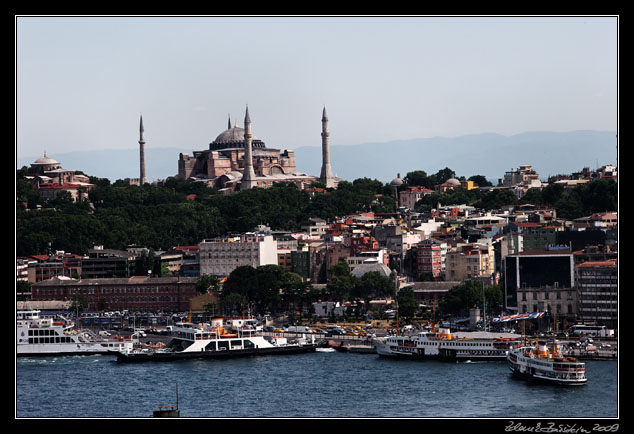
(229, 123)
(326, 171)
(248, 176)
(142, 178)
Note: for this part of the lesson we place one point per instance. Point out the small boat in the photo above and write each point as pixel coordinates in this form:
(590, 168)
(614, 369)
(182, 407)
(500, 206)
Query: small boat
(214, 341)
(355, 348)
(38, 336)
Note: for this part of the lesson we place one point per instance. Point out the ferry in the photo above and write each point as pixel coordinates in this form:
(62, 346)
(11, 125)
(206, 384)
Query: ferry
(215, 340)
(442, 345)
(539, 363)
(38, 336)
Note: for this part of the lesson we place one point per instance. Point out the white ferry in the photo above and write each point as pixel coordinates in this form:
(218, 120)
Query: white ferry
(444, 346)
(214, 340)
(37, 336)
(539, 363)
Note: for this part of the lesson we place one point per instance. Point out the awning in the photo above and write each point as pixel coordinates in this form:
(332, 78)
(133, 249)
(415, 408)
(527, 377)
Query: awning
(519, 317)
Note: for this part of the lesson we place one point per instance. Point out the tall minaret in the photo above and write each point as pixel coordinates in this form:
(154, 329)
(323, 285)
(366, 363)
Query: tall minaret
(326, 172)
(248, 176)
(142, 179)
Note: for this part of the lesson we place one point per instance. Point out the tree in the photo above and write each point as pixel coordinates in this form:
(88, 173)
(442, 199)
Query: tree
(407, 304)
(470, 294)
(206, 283)
(372, 285)
(480, 180)
(419, 178)
(461, 298)
(242, 281)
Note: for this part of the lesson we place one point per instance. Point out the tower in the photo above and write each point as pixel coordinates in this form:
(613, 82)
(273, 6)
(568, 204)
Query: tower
(142, 179)
(326, 171)
(248, 176)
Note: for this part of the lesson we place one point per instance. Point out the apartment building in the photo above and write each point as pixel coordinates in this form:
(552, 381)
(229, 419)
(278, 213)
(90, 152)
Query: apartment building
(470, 262)
(221, 256)
(429, 258)
(597, 293)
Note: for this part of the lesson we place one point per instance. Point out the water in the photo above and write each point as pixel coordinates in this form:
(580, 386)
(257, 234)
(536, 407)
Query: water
(318, 384)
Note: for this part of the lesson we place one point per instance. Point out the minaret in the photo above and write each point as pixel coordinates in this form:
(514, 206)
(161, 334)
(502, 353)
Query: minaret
(142, 179)
(248, 176)
(326, 172)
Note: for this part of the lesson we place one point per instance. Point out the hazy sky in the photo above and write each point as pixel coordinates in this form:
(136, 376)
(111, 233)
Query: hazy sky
(82, 82)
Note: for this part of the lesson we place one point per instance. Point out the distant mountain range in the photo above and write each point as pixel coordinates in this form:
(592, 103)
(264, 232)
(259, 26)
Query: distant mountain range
(485, 154)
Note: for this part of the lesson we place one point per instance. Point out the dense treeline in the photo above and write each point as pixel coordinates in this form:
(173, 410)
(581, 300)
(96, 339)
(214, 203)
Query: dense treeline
(180, 213)
(162, 217)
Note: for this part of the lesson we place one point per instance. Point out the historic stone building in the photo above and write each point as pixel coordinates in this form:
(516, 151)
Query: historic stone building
(225, 165)
(49, 178)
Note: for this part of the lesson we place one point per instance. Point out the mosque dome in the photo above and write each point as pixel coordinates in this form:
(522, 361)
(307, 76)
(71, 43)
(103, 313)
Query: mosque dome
(45, 161)
(45, 164)
(234, 138)
(397, 181)
(235, 134)
(453, 181)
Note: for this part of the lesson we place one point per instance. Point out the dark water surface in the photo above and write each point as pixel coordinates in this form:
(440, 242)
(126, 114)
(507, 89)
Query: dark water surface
(337, 385)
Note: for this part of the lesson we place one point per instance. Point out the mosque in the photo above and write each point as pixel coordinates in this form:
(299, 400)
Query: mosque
(238, 160)
(49, 178)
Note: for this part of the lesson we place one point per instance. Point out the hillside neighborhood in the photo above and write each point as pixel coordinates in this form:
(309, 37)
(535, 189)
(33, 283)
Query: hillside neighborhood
(539, 262)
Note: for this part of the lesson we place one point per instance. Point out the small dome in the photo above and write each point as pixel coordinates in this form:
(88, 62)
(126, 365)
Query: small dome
(397, 181)
(453, 181)
(45, 161)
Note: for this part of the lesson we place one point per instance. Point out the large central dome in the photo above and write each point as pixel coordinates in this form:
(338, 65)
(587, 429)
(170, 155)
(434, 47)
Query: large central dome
(234, 138)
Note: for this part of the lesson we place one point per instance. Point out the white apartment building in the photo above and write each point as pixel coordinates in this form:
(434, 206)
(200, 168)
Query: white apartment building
(221, 256)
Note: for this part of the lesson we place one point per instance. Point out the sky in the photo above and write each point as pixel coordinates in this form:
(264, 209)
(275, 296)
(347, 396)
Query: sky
(81, 83)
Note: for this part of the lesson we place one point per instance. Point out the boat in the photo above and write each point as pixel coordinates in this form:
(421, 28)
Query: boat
(443, 345)
(215, 341)
(354, 348)
(541, 364)
(38, 336)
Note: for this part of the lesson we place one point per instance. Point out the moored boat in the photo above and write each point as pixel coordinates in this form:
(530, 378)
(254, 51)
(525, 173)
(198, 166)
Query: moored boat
(38, 336)
(443, 345)
(355, 348)
(192, 341)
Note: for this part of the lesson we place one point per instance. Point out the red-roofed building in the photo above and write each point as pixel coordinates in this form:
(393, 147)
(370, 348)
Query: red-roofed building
(413, 194)
(78, 191)
(44, 267)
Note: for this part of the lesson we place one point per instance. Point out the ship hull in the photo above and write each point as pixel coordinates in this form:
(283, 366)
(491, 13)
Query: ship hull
(189, 355)
(442, 354)
(525, 376)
